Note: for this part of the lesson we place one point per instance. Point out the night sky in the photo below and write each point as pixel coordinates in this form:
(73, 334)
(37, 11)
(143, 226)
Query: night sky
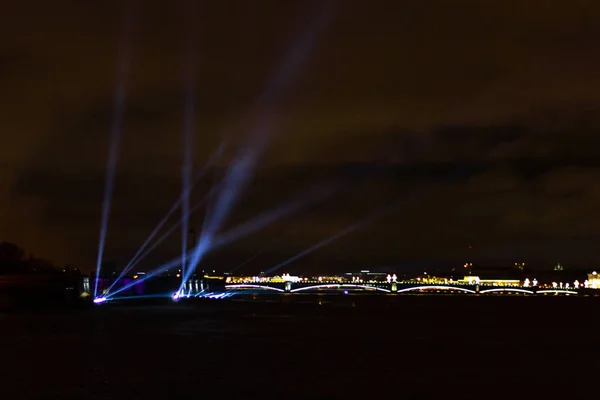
(488, 110)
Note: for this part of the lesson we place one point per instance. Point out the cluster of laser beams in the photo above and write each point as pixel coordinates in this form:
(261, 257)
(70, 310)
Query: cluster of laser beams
(229, 191)
(249, 227)
(236, 178)
(240, 172)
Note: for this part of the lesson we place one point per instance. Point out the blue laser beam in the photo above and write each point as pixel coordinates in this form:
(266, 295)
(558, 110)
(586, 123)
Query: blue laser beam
(123, 69)
(142, 297)
(239, 174)
(298, 54)
(165, 235)
(462, 173)
(140, 254)
(263, 220)
(188, 133)
(341, 234)
(173, 263)
(241, 171)
(178, 202)
(188, 13)
(242, 230)
(256, 255)
(266, 218)
(251, 258)
(158, 241)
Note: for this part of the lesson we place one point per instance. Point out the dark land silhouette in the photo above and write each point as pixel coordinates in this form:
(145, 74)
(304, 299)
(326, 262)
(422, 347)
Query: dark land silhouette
(30, 282)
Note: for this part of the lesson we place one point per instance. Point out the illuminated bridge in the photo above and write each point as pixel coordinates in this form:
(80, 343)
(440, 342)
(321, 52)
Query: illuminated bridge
(391, 288)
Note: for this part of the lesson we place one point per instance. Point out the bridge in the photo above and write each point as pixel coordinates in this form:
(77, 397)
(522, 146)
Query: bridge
(391, 288)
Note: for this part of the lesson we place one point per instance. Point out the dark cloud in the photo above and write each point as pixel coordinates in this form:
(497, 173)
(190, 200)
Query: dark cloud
(491, 106)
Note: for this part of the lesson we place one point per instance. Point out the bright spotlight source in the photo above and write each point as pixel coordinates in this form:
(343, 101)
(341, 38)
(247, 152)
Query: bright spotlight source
(99, 300)
(176, 296)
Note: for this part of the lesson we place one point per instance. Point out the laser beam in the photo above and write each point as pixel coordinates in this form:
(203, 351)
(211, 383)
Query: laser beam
(118, 112)
(339, 235)
(464, 172)
(140, 254)
(239, 174)
(159, 241)
(156, 271)
(188, 134)
(242, 230)
(266, 218)
(251, 258)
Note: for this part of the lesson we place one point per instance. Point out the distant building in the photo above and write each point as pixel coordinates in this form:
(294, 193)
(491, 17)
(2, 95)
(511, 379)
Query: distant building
(289, 278)
(492, 273)
(284, 278)
(475, 280)
(558, 267)
(364, 276)
(594, 280)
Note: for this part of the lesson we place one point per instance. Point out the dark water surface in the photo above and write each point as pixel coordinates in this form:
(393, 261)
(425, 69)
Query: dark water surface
(345, 347)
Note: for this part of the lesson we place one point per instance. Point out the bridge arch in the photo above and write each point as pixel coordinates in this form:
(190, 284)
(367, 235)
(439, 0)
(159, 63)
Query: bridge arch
(496, 290)
(261, 287)
(436, 287)
(340, 286)
(556, 291)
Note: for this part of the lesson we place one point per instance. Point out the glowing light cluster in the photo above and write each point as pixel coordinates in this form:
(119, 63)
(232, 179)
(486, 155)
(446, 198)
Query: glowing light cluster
(427, 287)
(242, 286)
(337, 286)
(506, 290)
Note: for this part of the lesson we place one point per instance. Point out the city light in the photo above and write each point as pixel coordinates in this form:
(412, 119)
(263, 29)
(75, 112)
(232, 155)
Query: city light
(339, 286)
(373, 281)
(242, 286)
(516, 290)
(436, 287)
(347, 283)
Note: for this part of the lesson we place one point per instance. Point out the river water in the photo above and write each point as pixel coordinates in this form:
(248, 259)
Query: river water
(422, 346)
